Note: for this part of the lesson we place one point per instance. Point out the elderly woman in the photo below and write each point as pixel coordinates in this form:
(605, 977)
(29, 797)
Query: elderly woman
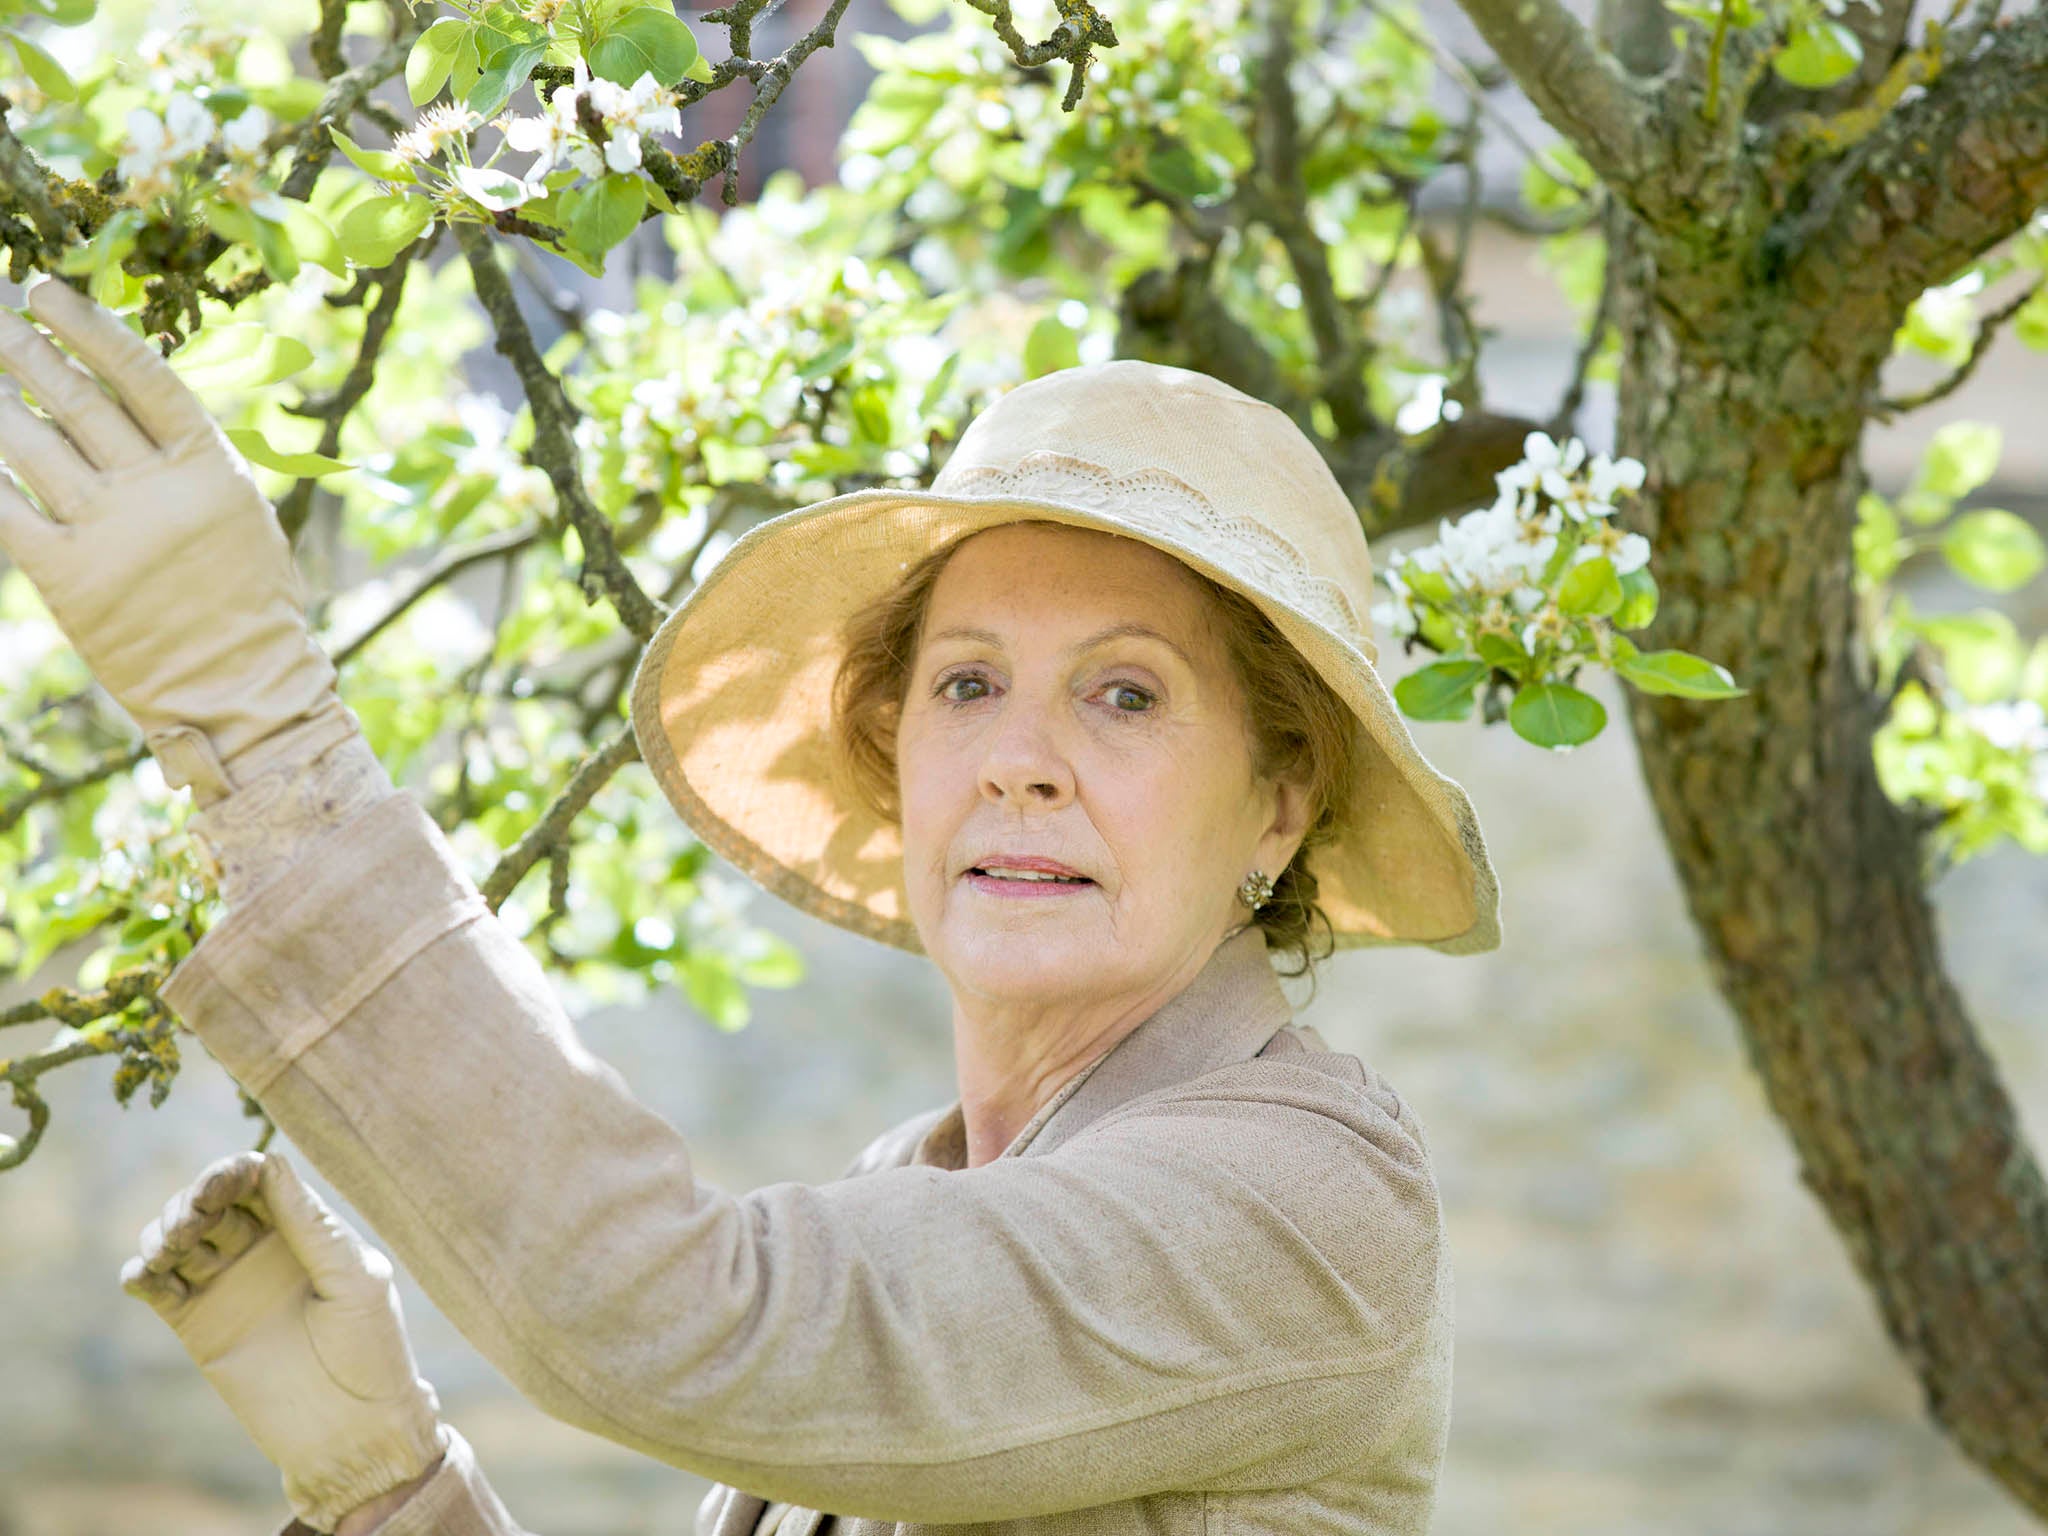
(1093, 723)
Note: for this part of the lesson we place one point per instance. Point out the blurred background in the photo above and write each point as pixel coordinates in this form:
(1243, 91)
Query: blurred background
(1658, 1332)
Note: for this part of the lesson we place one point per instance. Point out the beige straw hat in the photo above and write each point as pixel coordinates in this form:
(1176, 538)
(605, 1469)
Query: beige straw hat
(732, 696)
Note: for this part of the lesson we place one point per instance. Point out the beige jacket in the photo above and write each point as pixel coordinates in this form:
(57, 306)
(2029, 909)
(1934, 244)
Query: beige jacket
(1206, 1289)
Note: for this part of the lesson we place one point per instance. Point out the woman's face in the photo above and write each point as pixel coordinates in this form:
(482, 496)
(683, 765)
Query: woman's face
(1072, 710)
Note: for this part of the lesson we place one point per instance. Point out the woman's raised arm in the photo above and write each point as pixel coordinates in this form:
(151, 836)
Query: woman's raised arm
(1220, 1287)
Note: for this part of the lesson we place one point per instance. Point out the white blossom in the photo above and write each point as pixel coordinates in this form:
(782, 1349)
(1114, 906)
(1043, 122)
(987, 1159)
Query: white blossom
(1626, 552)
(434, 130)
(627, 112)
(1544, 464)
(1607, 476)
(156, 145)
(245, 135)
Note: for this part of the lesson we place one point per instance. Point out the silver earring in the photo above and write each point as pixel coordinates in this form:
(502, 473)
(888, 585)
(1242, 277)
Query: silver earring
(1255, 890)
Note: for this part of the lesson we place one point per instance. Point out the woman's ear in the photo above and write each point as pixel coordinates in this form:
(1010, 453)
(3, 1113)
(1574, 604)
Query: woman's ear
(1284, 833)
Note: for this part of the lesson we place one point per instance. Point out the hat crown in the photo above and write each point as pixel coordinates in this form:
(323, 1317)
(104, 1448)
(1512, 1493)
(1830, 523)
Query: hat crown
(1181, 457)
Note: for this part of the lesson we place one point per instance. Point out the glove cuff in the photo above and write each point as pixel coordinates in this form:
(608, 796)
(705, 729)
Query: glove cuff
(398, 1457)
(190, 760)
(250, 838)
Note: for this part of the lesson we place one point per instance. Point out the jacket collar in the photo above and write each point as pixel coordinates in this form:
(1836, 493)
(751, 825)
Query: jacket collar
(1226, 1014)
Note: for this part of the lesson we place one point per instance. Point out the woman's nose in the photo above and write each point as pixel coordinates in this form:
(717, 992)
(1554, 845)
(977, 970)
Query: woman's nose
(1024, 765)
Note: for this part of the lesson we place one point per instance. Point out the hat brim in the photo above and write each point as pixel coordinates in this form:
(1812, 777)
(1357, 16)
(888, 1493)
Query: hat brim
(731, 707)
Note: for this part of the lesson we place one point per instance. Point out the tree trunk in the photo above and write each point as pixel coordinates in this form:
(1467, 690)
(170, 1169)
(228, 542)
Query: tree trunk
(1805, 881)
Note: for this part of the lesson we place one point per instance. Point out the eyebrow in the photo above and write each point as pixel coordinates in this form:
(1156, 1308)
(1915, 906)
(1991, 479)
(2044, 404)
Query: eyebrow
(1129, 629)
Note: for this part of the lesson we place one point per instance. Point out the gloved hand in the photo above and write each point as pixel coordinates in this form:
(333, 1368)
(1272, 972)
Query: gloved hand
(295, 1322)
(160, 559)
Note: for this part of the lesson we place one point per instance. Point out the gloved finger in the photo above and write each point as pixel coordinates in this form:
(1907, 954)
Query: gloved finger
(37, 452)
(332, 1251)
(163, 1292)
(23, 528)
(232, 1234)
(94, 420)
(147, 385)
(192, 1211)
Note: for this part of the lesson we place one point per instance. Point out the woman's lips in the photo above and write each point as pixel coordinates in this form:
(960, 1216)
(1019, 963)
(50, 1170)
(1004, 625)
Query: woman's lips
(1025, 887)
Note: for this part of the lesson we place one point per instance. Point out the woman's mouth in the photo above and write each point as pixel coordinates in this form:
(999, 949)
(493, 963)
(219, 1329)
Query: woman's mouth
(1038, 878)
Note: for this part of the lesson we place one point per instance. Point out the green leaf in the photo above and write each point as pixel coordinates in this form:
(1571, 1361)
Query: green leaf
(773, 962)
(714, 990)
(1442, 690)
(1555, 715)
(273, 247)
(2030, 325)
(872, 414)
(432, 56)
(1961, 457)
(1680, 673)
(380, 163)
(935, 390)
(66, 13)
(313, 238)
(1051, 346)
(1503, 651)
(646, 40)
(467, 63)
(254, 447)
(507, 70)
(1879, 549)
(1941, 323)
(1430, 586)
(240, 356)
(1590, 587)
(2033, 681)
(1994, 549)
(700, 70)
(110, 242)
(1822, 52)
(374, 231)
(600, 215)
(1981, 653)
(1178, 170)
(47, 73)
(1638, 600)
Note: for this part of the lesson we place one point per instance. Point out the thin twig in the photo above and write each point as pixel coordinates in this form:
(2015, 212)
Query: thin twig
(590, 776)
(1987, 330)
(443, 566)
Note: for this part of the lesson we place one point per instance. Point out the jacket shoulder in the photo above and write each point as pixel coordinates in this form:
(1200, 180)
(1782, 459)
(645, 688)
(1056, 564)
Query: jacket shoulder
(896, 1146)
(1295, 1084)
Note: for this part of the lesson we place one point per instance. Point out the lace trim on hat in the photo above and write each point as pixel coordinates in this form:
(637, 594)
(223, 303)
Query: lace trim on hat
(1155, 502)
(249, 838)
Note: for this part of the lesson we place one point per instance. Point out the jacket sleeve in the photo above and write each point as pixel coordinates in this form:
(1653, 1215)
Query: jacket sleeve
(1204, 1290)
(455, 1501)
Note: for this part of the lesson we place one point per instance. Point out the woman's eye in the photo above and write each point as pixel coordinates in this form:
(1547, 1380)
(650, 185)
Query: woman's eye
(1129, 698)
(949, 687)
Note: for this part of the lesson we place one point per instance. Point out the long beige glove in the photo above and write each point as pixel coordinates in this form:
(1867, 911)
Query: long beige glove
(294, 1320)
(159, 557)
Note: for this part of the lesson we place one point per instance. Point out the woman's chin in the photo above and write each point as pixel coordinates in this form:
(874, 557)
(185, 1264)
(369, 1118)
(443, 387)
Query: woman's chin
(1025, 956)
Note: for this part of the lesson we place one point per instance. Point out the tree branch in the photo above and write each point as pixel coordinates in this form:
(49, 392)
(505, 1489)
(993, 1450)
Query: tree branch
(604, 573)
(1276, 194)
(54, 786)
(332, 410)
(1946, 176)
(1581, 92)
(590, 776)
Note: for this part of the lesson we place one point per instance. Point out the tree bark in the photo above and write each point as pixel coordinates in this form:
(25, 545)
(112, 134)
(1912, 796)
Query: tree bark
(1804, 879)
